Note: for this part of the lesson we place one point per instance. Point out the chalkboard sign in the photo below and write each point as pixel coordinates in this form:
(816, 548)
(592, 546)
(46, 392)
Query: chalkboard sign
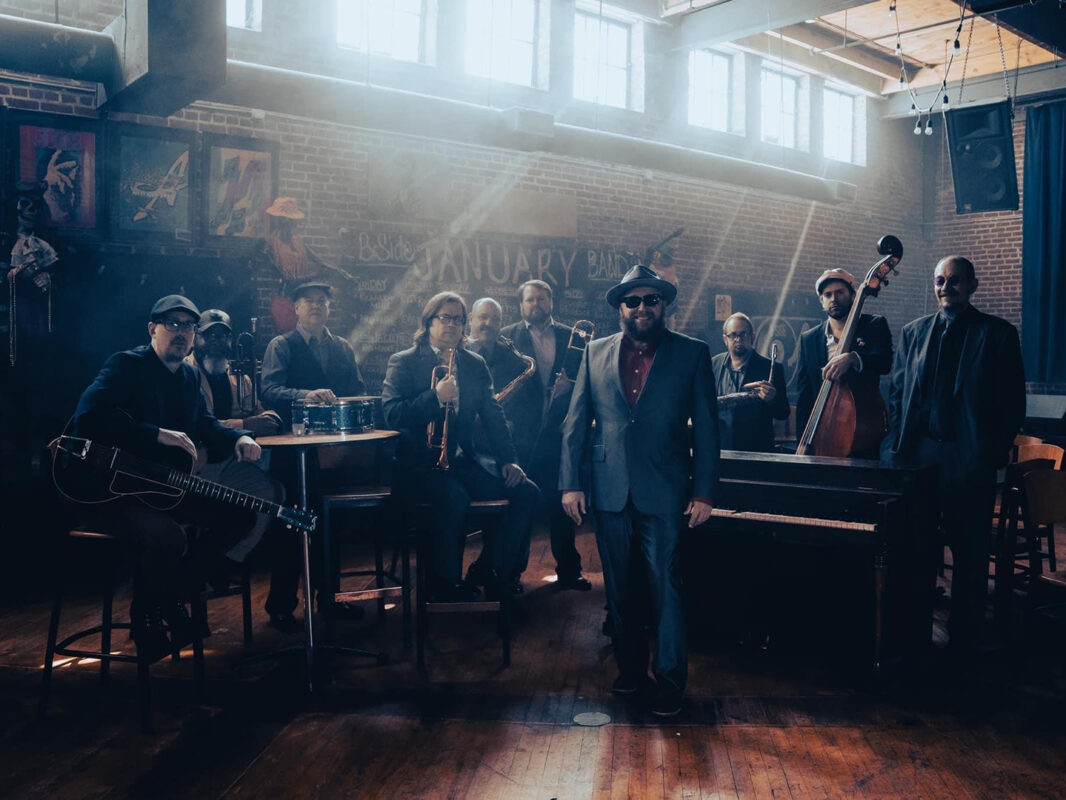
(394, 274)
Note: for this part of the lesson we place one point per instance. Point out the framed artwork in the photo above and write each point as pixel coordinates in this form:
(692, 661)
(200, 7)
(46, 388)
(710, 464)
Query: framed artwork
(150, 175)
(241, 181)
(61, 153)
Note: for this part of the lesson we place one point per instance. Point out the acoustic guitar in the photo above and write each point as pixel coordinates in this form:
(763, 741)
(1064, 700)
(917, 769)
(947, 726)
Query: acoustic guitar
(90, 472)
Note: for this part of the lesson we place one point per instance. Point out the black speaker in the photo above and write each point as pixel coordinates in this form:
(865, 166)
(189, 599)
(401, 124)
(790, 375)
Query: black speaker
(981, 141)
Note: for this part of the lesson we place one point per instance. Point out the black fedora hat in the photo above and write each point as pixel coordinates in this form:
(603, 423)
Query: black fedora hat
(637, 277)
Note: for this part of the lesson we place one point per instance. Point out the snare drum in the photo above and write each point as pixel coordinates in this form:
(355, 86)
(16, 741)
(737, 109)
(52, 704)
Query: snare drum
(346, 415)
(356, 413)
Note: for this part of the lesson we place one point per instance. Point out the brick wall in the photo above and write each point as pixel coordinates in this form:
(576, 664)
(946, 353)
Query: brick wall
(735, 239)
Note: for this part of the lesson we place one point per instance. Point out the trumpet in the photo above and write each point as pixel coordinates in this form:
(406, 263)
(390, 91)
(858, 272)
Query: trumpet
(433, 440)
(580, 335)
(247, 364)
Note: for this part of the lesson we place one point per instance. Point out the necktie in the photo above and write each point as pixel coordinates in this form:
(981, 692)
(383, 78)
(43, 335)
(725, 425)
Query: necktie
(947, 370)
(316, 350)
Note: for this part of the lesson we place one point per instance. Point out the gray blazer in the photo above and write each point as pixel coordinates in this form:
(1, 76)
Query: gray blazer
(645, 452)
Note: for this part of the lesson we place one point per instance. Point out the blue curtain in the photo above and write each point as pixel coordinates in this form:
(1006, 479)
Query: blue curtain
(1044, 244)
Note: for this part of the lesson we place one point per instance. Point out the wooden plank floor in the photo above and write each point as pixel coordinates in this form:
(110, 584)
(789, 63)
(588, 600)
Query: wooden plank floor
(782, 724)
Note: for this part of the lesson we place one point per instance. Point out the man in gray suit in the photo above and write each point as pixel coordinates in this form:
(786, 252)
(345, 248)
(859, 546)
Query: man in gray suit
(956, 401)
(641, 387)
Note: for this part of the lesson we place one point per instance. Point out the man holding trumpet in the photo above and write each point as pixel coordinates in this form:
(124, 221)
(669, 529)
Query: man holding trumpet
(436, 412)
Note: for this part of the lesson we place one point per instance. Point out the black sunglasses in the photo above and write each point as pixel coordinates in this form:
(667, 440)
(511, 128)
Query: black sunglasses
(649, 300)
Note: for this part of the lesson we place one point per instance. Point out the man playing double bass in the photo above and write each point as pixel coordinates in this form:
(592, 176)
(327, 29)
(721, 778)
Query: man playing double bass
(863, 367)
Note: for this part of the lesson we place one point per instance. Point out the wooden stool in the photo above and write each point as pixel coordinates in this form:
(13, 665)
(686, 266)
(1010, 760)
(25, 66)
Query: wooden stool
(478, 508)
(372, 498)
(104, 629)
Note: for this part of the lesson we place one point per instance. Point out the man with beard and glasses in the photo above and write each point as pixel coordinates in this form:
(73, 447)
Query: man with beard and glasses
(148, 401)
(748, 426)
(870, 358)
(210, 356)
(956, 401)
(641, 387)
(538, 419)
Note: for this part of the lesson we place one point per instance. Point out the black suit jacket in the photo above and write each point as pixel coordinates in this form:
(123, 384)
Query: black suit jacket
(989, 397)
(409, 405)
(751, 426)
(645, 452)
(134, 395)
(534, 427)
(873, 343)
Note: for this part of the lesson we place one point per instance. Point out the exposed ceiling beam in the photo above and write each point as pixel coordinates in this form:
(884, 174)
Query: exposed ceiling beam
(773, 48)
(1039, 82)
(821, 39)
(736, 19)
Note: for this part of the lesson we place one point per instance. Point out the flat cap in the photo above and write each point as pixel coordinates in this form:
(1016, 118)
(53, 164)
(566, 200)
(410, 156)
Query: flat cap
(173, 302)
(837, 274)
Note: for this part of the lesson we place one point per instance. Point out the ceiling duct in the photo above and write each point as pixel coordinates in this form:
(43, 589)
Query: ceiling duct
(170, 54)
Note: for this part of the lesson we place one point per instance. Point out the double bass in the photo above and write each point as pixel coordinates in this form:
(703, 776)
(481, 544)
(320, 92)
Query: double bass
(846, 419)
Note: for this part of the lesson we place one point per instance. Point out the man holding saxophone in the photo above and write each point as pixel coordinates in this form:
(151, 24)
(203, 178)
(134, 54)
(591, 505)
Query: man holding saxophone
(437, 415)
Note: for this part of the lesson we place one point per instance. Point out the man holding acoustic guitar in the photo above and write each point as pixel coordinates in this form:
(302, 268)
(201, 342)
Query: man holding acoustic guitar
(148, 402)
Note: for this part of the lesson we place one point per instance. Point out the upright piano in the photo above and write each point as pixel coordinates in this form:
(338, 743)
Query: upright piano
(881, 514)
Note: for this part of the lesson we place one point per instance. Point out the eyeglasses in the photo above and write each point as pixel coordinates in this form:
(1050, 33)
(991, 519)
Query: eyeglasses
(450, 319)
(175, 325)
(649, 300)
(734, 337)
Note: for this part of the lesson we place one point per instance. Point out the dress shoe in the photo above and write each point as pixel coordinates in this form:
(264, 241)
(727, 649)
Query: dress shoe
(666, 702)
(579, 583)
(182, 628)
(480, 575)
(285, 622)
(146, 629)
(626, 685)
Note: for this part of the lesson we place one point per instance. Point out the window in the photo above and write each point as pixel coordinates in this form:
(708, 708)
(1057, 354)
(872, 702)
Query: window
(779, 91)
(710, 90)
(391, 28)
(601, 60)
(245, 14)
(501, 38)
(843, 125)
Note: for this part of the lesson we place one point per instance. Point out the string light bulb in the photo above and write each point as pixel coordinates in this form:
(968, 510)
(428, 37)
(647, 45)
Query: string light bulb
(918, 127)
(898, 48)
(901, 80)
(929, 126)
(892, 9)
(914, 110)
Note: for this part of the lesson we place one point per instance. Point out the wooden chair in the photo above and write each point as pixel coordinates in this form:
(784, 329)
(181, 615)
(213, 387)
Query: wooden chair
(491, 510)
(1022, 438)
(104, 630)
(1032, 452)
(1043, 506)
(372, 500)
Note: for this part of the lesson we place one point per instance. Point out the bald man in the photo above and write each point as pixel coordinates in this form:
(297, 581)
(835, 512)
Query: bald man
(956, 401)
